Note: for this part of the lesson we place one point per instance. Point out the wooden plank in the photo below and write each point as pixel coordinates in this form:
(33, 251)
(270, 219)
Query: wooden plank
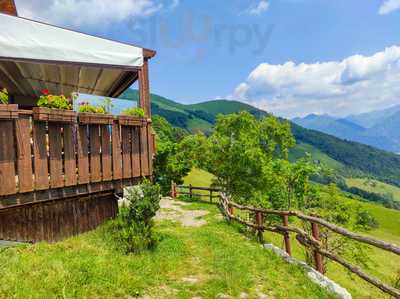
(135, 152)
(40, 156)
(7, 158)
(116, 152)
(150, 148)
(95, 158)
(126, 152)
(69, 155)
(24, 161)
(106, 153)
(144, 157)
(83, 155)
(55, 150)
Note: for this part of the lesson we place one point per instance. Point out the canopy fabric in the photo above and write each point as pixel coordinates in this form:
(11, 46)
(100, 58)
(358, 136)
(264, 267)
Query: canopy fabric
(36, 56)
(30, 40)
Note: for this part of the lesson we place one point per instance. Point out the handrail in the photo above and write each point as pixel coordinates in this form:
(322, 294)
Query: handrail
(305, 239)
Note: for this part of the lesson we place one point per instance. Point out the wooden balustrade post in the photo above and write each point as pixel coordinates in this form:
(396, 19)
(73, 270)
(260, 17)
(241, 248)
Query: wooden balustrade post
(260, 223)
(319, 266)
(286, 237)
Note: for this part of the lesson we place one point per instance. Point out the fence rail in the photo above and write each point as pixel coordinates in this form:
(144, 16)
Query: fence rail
(40, 157)
(311, 241)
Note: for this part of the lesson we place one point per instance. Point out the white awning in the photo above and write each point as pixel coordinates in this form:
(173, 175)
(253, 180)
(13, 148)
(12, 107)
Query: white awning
(30, 40)
(36, 56)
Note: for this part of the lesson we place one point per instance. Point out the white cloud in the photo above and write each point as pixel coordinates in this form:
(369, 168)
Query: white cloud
(389, 6)
(175, 3)
(355, 84)
(259, 8)
(92, 13)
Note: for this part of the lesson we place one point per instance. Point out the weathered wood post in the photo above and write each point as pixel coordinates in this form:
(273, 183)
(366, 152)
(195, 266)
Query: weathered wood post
(173, 195)
(211, 196)
(260, 220)
(288, 247)
(230, 210)
(190, 191)
(319, 266)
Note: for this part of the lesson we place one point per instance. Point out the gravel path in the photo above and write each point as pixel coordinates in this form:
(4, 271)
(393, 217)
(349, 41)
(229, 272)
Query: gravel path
(172, 210)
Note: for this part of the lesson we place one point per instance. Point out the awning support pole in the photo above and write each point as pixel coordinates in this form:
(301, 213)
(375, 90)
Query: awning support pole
(144, 88)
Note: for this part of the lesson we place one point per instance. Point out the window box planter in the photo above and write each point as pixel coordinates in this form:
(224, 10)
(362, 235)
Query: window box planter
(125, 120)
(8, 111)
(95, 118)
(54, 115)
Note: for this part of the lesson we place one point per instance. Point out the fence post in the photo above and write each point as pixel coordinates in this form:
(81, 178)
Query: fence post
(259, 220)
(286, 236)
(317, 256)
(230, 210)
(173, 190)
(211, 196)
(190, 191)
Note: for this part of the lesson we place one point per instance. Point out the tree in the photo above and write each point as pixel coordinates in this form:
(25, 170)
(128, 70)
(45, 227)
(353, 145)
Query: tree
(175, 154)
(249, 159)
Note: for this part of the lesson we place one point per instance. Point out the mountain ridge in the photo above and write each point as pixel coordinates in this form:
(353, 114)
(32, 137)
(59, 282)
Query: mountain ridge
(382, 165)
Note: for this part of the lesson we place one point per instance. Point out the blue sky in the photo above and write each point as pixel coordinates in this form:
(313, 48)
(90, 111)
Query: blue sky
(291, 57)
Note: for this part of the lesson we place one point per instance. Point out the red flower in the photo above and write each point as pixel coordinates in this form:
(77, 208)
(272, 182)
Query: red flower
(45, 92)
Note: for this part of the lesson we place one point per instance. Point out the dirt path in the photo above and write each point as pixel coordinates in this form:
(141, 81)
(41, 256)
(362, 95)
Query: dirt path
(172, 210)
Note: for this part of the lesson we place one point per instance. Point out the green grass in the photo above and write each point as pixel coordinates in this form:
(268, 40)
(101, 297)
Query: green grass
(300, 150)
(217, 255)
(375, 187)
(385, 265)
(199, 178)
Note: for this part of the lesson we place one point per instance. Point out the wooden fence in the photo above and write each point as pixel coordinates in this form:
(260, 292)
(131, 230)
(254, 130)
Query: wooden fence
(45, 160)
(39, 156)
(311, 241)
(196, 192)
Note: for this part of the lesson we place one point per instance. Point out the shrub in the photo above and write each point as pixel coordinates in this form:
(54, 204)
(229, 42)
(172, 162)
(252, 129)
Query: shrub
(4, 96)
(365, 220)
(133, 228)
(138, 112)
(51, 101)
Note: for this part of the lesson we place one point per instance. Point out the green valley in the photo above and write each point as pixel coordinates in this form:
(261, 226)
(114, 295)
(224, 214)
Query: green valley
(351, 158)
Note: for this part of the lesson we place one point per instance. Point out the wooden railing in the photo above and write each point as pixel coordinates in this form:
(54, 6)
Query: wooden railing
(311, 241)
(42, 160)
(209, 193)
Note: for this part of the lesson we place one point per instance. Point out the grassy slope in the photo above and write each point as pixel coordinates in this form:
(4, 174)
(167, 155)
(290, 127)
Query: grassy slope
(383, 165)
(301, 148)
(374, 187)
(385, 265)
(217, 255)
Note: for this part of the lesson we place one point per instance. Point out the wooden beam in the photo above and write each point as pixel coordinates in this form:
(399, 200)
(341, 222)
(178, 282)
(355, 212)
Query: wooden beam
(144, 89)
(8, 7)
(148, 53)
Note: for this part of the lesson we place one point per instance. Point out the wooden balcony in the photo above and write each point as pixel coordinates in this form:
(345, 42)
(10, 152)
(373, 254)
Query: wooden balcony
(59, 178)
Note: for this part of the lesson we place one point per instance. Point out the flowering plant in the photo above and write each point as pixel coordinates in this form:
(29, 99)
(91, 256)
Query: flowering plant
(4, 96)
(138, 112)
(52, 101)
(86, 107)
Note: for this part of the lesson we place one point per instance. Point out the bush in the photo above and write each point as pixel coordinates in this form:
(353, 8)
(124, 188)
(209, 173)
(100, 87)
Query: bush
(133, 228)
(137, 112)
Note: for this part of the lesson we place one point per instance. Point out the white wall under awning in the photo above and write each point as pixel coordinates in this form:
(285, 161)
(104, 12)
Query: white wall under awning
(25, 39)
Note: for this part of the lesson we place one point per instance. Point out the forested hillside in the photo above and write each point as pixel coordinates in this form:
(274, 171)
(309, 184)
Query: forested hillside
(379, 164)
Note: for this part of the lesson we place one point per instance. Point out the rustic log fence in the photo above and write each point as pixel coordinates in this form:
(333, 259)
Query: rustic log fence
(311, 241)
(191, 191)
